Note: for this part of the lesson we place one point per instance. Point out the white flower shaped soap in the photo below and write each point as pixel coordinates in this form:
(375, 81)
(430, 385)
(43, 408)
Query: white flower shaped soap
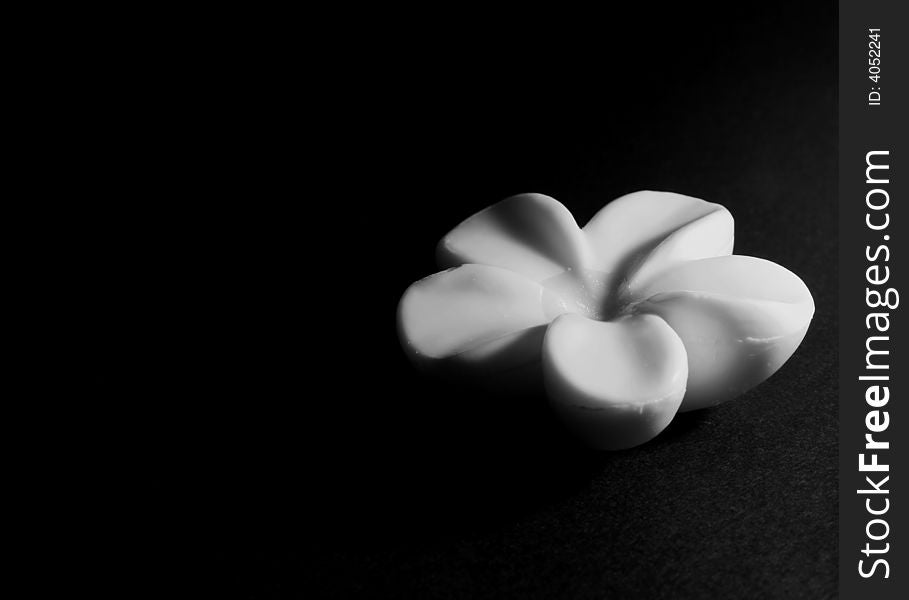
(640, 314)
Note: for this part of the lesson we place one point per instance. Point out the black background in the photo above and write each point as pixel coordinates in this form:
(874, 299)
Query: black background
(290, 448)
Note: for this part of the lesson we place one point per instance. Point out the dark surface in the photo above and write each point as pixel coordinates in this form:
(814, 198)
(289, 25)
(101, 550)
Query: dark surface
(310, 460)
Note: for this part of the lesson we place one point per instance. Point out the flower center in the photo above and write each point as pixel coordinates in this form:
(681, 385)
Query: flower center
(588, 293)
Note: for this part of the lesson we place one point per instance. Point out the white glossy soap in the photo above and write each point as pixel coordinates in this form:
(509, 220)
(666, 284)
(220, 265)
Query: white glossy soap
(641, 313)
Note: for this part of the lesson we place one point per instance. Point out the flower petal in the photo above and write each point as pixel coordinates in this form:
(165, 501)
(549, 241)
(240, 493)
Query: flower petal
(615, 384)
(739, 317)
(531, 234)
(636, 236)
(480, 317)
